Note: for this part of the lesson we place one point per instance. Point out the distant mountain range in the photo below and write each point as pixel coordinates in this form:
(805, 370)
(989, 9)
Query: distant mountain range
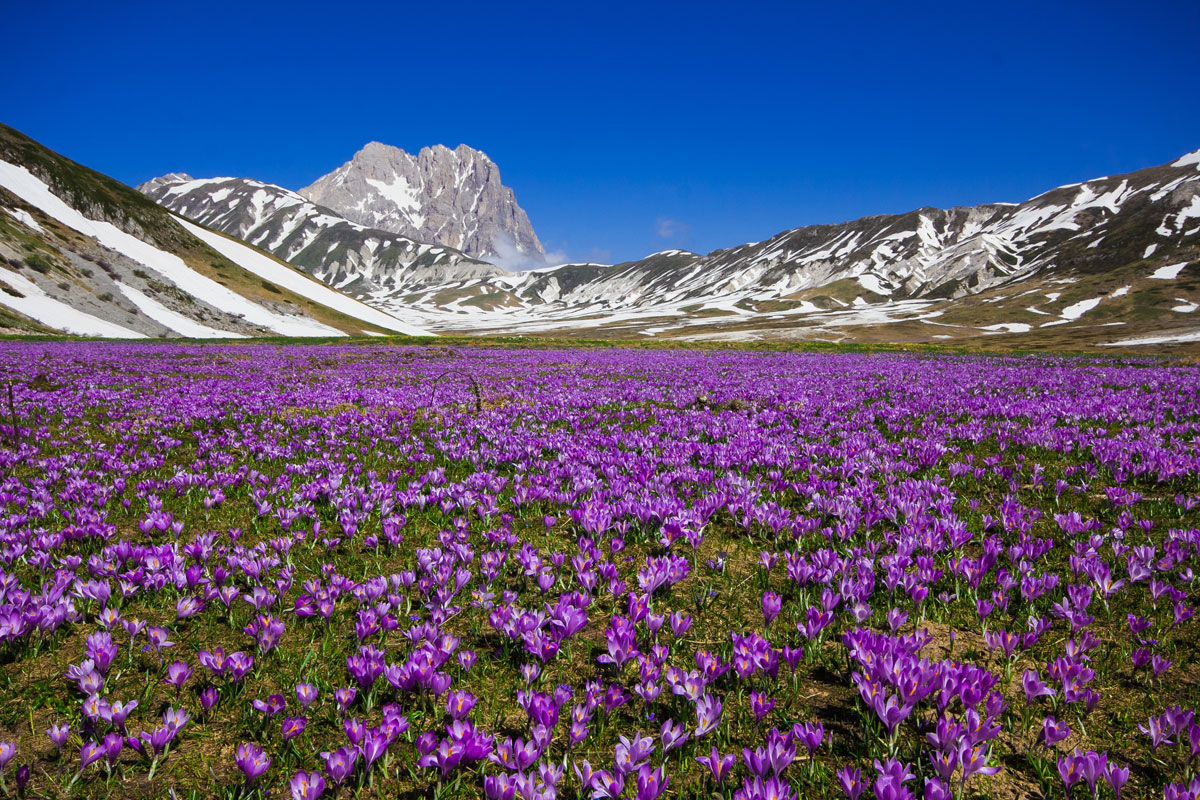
(1112, 261)
(1082, 256)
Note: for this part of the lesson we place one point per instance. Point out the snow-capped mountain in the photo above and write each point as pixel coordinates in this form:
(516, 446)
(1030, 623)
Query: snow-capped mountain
(1079, 264)
(1086, 256)
(83, 254)
(358, 260)
(440, 196)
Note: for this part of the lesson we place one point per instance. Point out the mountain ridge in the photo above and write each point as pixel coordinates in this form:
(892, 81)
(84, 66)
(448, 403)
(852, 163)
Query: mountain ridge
(452, 197)
(1074, 264)
(85, 254)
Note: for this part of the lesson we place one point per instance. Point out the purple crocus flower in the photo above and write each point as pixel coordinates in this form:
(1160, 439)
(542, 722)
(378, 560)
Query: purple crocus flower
(761, 704)
(306, 694)
(22, 778)
(809, 734)
(306, 785)
(504, 786)
(113, 744)
(158, 739)
(274, 704)
(293, 727)
(158, 639)
(1034, 687)
(1117, 777)
(178, 673)
(339, 765)
(889, 785)
(717, 764)
(773, 788)
(1157, 733)
(175, 719)
(1052, 732)
(446, 757)
(375, 744)
(936, 790)
(632, 752)
(344, 697)
(973, 760)
(59, 734)
(672, 735)
(252, 761)
(1068, 769)
(771, 605)
(651, 782)
(90, 753)
(708, 714)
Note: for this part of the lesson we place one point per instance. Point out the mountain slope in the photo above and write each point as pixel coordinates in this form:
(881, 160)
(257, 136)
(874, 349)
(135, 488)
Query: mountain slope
(1074, 265)
(360, 261)
(85, 254)
(443, 196)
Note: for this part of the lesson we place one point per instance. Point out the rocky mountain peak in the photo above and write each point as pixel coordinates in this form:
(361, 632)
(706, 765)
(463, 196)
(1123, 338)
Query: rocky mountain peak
(441, 196)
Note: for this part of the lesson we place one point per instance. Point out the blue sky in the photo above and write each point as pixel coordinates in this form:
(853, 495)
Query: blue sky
(624, 128)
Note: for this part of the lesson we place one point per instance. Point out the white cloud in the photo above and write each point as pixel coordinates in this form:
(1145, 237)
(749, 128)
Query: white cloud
(668, 228)
(512, 258)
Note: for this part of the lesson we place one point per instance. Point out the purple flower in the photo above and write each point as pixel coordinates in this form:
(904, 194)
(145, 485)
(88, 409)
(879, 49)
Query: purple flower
(1052, 732)
(1068, 769)
(708, 714)
(252, 761)
(345, 698)
(672, 735)
(1117, 777)
(973, 760)
(651, 782)
(23, 773)
(1157, 733)
(178, 673)
(58, 734)
(504, 786)
(810, 735)
(158, 638)
(306, 785)
(90, 753)
(293, 727)
(632, 752)
(306, 694)
(445, 758)
(8, 750)
(113, 744)
(1034, 687)
(339, 765)
(771, 605)
(175, 719)
(274, 704)
(717, 764)
(188, 607)
(936, 790)
(773, 788)
(889, 785)
(375, 744)
(158, 739)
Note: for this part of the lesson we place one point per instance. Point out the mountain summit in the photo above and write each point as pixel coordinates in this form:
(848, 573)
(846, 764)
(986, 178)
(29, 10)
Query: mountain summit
(441, 196)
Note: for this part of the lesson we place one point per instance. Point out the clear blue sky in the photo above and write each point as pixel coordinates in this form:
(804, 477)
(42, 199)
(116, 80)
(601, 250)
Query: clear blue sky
(624, 128)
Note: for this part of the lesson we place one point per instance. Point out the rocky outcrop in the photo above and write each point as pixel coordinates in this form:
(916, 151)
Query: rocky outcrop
(439, 196)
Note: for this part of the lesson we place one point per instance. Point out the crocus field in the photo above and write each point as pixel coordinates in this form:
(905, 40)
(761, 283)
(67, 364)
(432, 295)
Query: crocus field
(385, 571)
